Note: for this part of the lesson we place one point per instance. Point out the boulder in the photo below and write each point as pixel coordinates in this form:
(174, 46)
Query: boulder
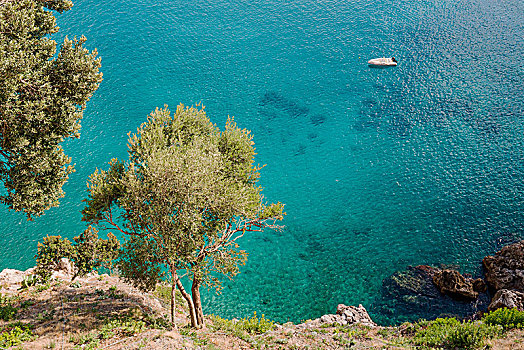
(452, 283)
(417, 281)
(64, 270)
(507, 298)
(411, 294)
(353, 314)
(348, 315)
(505, 270)
(479, 285)
(11, 279)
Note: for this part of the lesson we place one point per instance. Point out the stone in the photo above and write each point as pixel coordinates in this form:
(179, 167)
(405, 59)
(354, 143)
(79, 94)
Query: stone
(353, 314)
(505, 270)
(416, 280)
(412, 294)
(12, 279)
(479, 285)
(507, 298)
(347, 315)
(330, 318)
(64, 270)
(452, 283)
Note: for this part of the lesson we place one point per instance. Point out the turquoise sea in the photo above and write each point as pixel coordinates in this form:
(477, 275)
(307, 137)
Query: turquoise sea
(379, 168)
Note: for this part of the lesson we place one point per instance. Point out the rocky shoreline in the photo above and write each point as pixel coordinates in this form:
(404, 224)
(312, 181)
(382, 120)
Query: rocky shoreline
(429, 292)
(419, 286)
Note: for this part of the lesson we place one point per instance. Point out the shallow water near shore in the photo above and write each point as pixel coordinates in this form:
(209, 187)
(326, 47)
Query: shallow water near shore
(379, 168)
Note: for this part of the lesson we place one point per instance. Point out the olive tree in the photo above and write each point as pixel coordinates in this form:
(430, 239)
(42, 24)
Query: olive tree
(42, 98)
(183, 199)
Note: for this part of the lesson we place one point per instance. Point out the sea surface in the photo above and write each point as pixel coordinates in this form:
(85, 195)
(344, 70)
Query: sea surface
(379, 169)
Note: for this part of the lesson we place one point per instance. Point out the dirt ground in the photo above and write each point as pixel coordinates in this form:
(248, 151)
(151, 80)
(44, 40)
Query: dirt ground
(102, 312)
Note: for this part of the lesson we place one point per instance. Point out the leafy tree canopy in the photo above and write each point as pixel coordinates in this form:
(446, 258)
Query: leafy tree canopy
(184, 197)
(42, 98)
(88, 253)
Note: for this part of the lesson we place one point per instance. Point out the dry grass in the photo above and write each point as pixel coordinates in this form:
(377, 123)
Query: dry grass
(101, 312)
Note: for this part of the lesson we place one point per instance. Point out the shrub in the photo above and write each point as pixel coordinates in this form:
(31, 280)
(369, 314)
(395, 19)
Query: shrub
(450, 333)
(256, 325)
(29, 281)
(15, 334)
(88, 253)
(252, 325)
(49, 254)
(7, 310)
(507, 318)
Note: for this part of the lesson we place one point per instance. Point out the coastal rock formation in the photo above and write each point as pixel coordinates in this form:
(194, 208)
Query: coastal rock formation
(412, 292)
(65, 270)
(507, 298)
(416, 281)
(452, 283)
(11, 279)
(348, 315)
(505, 270)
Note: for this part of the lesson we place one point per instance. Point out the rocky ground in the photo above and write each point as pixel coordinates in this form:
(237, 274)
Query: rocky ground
(102, 312)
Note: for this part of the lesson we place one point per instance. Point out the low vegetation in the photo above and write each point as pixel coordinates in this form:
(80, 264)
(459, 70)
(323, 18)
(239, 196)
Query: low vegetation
(15, 333)
(253, 325)
(450, 333)
(103, 312)
(507, 318)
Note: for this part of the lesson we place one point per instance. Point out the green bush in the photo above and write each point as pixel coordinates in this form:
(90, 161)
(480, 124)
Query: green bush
(7, 310)
(29, 281)
(507, 318)
(449, 333)
(49, 254)
(256, 325)
(15, 334)
(252, 325)
(88, 253)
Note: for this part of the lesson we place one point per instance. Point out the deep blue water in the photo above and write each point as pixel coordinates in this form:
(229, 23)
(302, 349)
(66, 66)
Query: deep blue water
(379, 168)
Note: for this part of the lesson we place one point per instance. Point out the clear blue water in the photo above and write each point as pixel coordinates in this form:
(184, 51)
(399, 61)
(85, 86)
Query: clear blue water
(379, 168)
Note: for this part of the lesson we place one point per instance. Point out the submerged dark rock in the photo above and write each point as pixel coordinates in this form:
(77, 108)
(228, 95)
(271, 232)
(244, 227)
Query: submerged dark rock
(413, 294)
(318, 119)
(279, 101)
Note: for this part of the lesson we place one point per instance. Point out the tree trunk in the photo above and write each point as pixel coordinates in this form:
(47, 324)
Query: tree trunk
(189, 300)
(173, 292)
(195, 292)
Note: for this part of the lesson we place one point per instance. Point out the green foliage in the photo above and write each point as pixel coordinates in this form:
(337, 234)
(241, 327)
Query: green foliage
(256, 325)
(253, 325)
(88, 253)
(163, 292)
(7, 310)
(29, 281)
(450, 333)
(184, 197)
(87, 341)
(15, 333)
(507, 318)
(49, 253)
(197, 339)
(125, 325)
(42, 98)
(140, 263)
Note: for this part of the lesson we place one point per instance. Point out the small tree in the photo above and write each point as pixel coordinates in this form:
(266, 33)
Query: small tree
(88, 253)
(183, 199)
(42, 98)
